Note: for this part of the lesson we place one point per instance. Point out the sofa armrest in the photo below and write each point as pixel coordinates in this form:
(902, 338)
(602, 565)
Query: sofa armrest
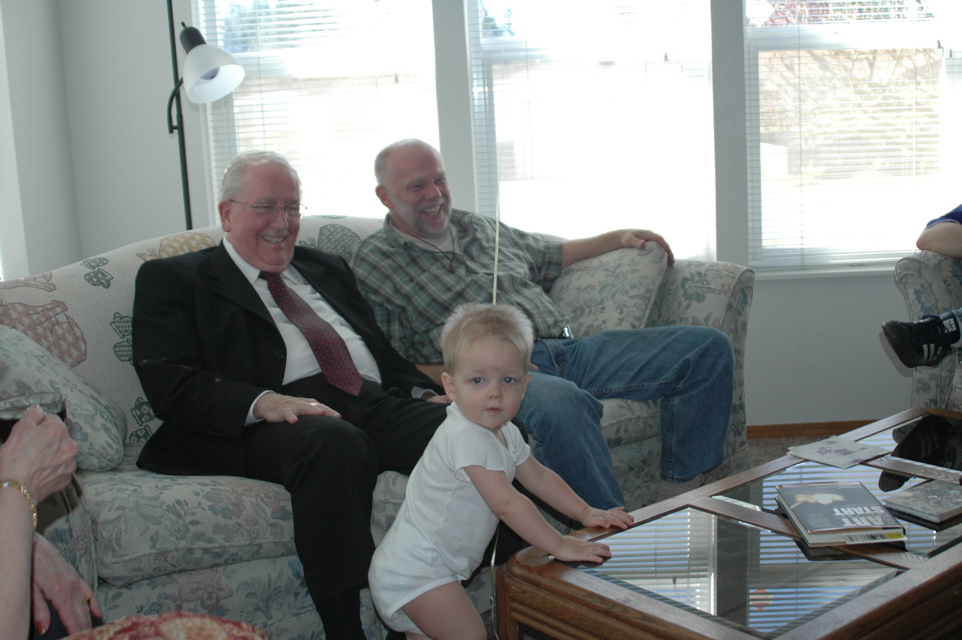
(713, 294)
(931, 283)
(630, 289)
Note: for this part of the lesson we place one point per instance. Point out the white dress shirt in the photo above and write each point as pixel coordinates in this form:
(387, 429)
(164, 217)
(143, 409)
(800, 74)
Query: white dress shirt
(300, 359)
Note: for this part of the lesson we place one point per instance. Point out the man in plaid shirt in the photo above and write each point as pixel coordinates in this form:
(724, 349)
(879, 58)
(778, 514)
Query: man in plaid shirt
(429, 258)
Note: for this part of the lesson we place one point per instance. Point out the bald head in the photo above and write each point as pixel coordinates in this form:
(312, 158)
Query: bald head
(383, 161)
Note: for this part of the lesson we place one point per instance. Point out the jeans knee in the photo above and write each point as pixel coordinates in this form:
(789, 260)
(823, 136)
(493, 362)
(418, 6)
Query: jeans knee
(719, 349)
(561, 415)
(562, 404)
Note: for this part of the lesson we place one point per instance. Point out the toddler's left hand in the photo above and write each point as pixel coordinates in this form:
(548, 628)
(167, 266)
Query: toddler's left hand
(616, 517)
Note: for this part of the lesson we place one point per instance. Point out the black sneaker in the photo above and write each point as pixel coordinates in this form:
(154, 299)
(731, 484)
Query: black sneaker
(922, 343)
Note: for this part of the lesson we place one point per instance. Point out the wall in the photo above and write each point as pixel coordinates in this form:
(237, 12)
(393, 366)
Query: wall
(119, 77)
(88, 83)
(13, 250)
(814, 351)
(40, 225)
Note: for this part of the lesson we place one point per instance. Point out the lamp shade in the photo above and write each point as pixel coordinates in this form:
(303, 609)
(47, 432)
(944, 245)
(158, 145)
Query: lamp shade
(210, 73)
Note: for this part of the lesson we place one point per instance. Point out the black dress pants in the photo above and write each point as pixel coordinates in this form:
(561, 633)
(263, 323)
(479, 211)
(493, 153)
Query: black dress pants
(330, 466)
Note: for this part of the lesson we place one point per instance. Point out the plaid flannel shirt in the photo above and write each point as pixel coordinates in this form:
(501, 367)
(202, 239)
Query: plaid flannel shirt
(413, 290)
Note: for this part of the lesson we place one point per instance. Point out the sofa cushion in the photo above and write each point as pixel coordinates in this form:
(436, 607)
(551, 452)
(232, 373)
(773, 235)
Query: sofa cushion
(147, 524)
(615, 290)
(93, 420)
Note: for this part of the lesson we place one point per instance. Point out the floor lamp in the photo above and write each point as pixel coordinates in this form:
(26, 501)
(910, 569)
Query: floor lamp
(210, 73)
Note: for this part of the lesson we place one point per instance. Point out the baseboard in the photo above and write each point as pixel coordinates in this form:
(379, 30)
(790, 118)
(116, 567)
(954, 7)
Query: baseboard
(808, 429)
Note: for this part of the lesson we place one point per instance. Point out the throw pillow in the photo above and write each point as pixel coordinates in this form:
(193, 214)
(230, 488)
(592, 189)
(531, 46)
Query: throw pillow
(93, 420)
(613, 291)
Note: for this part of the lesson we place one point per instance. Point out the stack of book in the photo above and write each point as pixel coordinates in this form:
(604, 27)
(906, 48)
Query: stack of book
(837, 513)
(933, 501)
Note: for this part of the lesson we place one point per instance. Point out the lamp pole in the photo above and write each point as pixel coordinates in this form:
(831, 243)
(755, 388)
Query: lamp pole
(179, 126)
(210, 73)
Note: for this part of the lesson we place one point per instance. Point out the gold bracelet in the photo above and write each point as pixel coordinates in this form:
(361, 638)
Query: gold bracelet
(8, 483)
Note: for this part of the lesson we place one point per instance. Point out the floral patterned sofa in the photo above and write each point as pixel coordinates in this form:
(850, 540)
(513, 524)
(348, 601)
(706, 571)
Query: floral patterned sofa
(223, 545)
(931, 283)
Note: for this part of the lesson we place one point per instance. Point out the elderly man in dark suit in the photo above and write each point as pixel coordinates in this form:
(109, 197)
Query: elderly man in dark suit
(243, 390)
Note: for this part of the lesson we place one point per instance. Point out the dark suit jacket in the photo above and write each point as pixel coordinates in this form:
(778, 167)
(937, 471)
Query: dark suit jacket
(205, 346)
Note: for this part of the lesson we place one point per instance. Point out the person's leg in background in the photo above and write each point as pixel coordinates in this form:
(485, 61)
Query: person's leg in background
(926, 342)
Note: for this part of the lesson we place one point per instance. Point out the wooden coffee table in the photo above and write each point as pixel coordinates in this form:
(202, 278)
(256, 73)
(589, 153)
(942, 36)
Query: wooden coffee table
(718, 563)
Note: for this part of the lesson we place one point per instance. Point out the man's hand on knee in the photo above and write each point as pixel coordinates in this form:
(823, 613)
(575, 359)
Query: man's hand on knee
(274, 407)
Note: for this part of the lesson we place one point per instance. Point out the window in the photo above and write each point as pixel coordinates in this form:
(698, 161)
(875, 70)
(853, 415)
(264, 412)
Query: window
(853, 128)
(591, 116)
(329, 84)
(587, 116)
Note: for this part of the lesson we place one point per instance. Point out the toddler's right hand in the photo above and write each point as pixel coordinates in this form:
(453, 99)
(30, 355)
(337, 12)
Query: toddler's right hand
(573, 549)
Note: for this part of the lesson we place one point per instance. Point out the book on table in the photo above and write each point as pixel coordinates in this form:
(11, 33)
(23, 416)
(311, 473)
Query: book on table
(934, 501)
(837, 513)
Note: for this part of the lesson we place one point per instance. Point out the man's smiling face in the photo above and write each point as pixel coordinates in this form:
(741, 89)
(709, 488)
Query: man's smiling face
(416, 192)
(265, 242)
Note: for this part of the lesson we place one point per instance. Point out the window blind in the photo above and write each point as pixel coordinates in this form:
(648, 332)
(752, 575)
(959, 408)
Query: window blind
(592, 116)
(853, 125)
(329, 84)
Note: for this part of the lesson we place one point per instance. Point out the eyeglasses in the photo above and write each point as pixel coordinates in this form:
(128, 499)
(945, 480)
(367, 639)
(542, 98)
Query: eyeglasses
(270, 209)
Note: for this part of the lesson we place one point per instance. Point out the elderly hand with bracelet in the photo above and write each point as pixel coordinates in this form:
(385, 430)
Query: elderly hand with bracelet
(36, 460)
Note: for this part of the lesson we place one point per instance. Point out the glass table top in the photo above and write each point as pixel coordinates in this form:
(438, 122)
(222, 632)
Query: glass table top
(750, 578)
(737, 574)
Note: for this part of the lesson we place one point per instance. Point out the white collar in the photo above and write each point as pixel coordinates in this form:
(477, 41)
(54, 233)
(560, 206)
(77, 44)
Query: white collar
(251, 272)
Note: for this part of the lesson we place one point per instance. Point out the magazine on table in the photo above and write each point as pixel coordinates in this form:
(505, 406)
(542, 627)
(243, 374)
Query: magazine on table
(837, 513)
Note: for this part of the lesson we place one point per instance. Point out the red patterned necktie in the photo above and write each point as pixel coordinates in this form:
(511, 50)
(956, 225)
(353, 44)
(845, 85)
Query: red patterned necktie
(329, 348)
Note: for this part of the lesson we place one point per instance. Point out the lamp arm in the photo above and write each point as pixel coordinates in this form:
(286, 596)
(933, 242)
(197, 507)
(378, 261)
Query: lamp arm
(171, 127)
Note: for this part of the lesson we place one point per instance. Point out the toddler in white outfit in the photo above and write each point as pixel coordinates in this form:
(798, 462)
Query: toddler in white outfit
(462, 485)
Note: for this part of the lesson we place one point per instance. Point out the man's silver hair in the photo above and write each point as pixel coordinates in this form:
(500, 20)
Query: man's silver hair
(236, 172)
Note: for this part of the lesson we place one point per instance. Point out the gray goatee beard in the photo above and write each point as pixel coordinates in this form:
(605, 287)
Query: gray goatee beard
(435, 234)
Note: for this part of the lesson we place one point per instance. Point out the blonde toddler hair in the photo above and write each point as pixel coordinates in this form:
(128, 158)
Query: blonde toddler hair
(472, 321)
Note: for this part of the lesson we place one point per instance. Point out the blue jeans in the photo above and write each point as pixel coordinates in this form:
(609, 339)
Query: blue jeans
(691, 369)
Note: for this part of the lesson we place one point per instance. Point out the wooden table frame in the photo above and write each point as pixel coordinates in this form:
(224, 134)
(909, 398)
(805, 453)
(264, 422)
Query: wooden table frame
(924, 602)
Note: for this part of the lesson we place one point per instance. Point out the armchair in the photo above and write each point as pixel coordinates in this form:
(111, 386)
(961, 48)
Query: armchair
(931, 283)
